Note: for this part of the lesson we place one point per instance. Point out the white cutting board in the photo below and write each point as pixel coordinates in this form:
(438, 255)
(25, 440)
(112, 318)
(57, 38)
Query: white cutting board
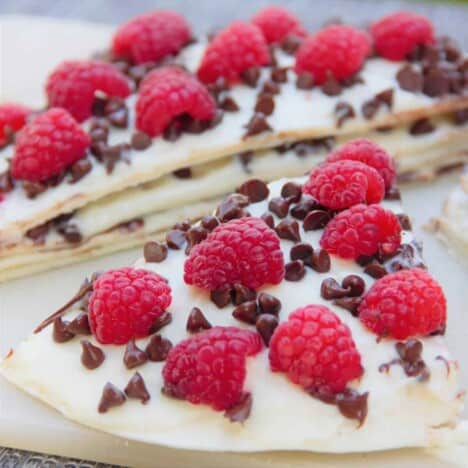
(29, 48)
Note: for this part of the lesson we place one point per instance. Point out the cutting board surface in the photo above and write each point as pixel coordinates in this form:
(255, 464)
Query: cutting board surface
(29, 48)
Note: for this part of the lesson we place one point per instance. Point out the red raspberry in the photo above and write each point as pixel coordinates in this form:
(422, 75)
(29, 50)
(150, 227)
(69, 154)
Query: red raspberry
(235, 49)
(168, 92)
(209, 368)
(151, 37)
(73, 84)
(404, 304)
(12, 118)
(48, 145)
(342, 184)
(125, 303)
(277, 23)
(340, 50)
(316, 351)
(369, 153)
(362, 230)
(244, 251)
(397, 34)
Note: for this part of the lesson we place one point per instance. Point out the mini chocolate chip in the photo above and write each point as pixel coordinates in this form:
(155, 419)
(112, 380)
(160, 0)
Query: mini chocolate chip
(216, 119)
(316, 219)
(197, 322)
(246, 312)
(79, 169)
(38, 234)
(268, 304)
(60, 332)
(269, 221)
(257, 124)
(436, 82)
(241, 294)
(375, 269)
(301, 251)
(182, 225)
(158, 348)
(290, 44)
(194, 236)
(250, 76)
(140, 141)
(134, 356)
(6, 182)
(111, 397)
(279, 75)
(279, 206)
(232, 207)
(33, 189)
(161, 322)
(175, 239)
(305, 80)
(245, 159)
(91, 356)
(291, 191)
(255, 189)
(265, 104)
(136, 388)
(386, 97)
(119, 118)
(270, 87)
(173, 131)
(272, 52)
(70, 233)
(209, 222)
(343, 112)
(99, 134)
(410, 79)
(288, 229)
(229, 104)
(220, 297)
(154, 252)
(421, 127)
(266, 325)
(294, 270)
(320, 261)
(353, 405)
(393, 193)
(370, 108)
(241, 410)
(330, 289)
(355, 284)
(79, 325)
(305, 206)
(405, 222)
(349, 303)
(183, 173)
(331, 87)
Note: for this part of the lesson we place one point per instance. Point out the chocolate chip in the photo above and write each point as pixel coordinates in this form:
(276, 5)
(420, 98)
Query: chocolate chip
(343, 112)
(220, 297)
(140, 141)
(154, 252)
(38, 234)
(288, 229)
(332, 86)
(111, 397)
(209, 222)
(113, 154)
(158, 348)
(375, 269)
(136, 388)
(421, 127)
(79, 169)
(250, 76)
(353, 405)
(290, 44)
(292, 191)
(316, 219)
(450, 48)
(161, 322)
(60, 332)
(294, 270)
(305, 80)
(370, 108)
(405, 222)
(182, 225)
(197, 322)
(255, 189)
(436, 83)
(241, 294)
(266, 325)
(393, 193)
(229, 104)
(330, 289)
(269, 221)
(70, 233)
(386, 97)
(279, 74)
(91, 356)
(119, 118)
(265, 104)
(6, 182)
(134, 356)
(232, 207)
(279, 206)
(79, 325)
(349, 303)
(246, 312)
(194, 236)
(410, 79)
(301, 251)
(175, 239)
(268, 304)
(241, 410)
(33, 189)
(173, 131)
(245, 159)
(183, 173)
(301, 209)
(270, 87)
(320, 261)
(257, 124)
(460, 117)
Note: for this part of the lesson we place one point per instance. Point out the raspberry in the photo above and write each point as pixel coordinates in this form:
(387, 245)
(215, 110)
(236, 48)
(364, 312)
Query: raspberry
(244, 251)
(369, 153)
(235, 49)
(339, 50)
(125, 303)
(73, 84)
(362, 230)
(169, 92)
(209, 367)
(48, 145)
(12, 118)
(342, 184)
(404, 304)
(397, 34)
(277, 23)
(316, 351)
(151, 37)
